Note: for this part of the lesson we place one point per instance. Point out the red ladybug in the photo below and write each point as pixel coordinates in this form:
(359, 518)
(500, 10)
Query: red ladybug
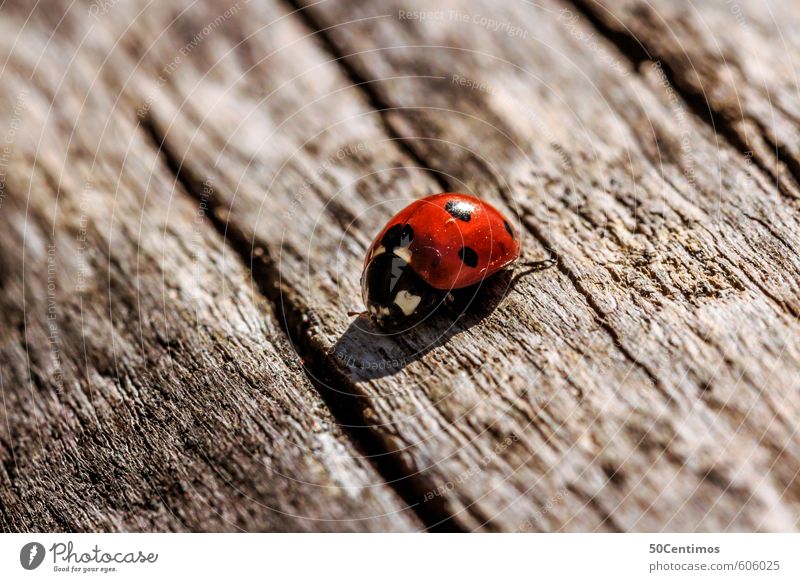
(434, 245)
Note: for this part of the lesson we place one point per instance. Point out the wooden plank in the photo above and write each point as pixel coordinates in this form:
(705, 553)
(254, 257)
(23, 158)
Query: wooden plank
(313, 221)
(618, 391)
(676, 247)
(735, 61)
(145, 384)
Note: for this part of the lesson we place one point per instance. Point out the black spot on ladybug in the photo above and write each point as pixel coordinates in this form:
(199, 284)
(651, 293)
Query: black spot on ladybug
(459, 210)
(383, 275)
(509, 229)
(395, 295)
(400, 235)
(469, 256)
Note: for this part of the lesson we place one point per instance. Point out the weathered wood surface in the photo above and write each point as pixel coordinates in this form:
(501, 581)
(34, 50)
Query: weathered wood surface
(736, 62)
(647, 382)
(145, 386)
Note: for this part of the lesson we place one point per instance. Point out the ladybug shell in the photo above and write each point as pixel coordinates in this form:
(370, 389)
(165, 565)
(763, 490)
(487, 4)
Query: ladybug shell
(456, 240)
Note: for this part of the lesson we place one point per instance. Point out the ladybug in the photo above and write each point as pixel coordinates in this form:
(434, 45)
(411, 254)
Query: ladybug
(437, 244)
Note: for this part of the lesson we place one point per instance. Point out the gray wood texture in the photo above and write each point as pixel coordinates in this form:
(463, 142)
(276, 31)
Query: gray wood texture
(145, 385)
(735, 62)
(209, 175)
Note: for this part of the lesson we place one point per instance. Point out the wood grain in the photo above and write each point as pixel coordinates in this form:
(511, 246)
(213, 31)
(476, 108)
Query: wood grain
(670, 241)
(736, 62)
(647, 382)
(145, 385)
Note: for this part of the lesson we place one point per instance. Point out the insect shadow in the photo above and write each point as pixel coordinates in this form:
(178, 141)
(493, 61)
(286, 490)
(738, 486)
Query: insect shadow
(369, 353)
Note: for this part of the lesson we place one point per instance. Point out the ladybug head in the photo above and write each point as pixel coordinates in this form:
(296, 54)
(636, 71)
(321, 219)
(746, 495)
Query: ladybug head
(394, 294)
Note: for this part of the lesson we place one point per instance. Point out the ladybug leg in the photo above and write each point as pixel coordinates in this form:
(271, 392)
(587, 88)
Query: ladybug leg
(540, 265)
(356, 313)
(457, 302)
(532, 267)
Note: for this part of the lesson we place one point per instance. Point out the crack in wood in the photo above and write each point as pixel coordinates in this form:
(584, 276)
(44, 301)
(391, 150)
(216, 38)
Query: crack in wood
(381, 106)
(308, 340)
(360, 82)
(600, 316)
(339, 393)
(638, 53)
